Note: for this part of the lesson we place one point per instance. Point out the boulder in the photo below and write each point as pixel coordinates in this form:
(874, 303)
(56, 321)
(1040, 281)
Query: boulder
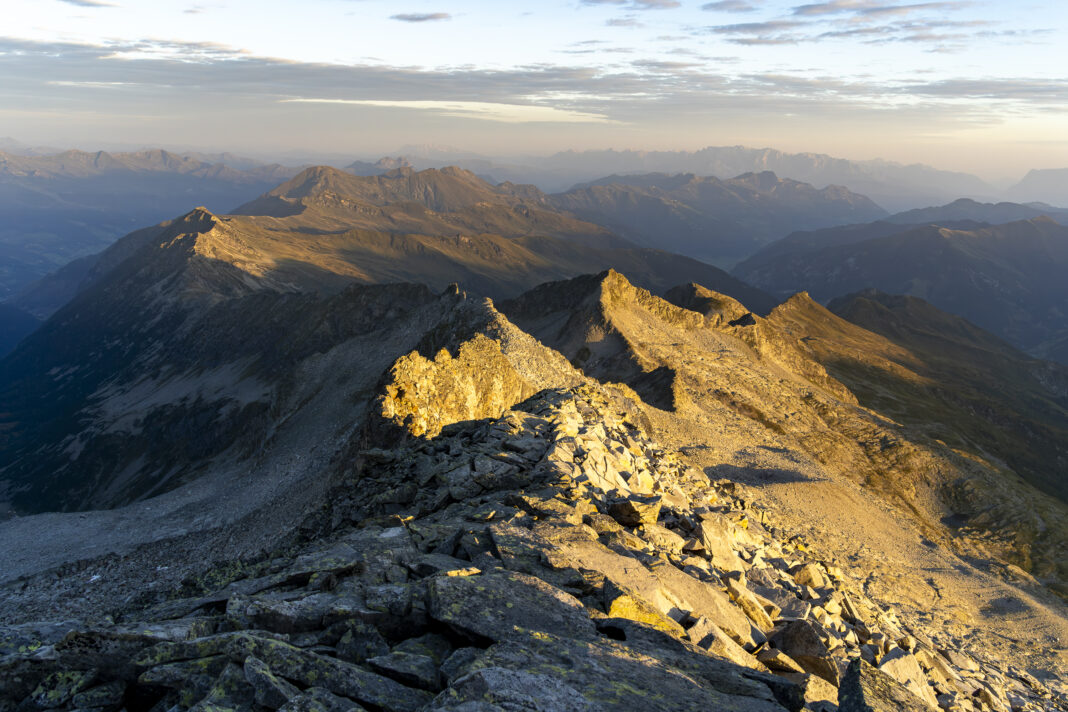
(714, 533)
(643, 669)
(57, 689)
(706, 634)
(778, 661)
(810, 575)
(500, 688)
(359, 642)
(904, 668)
(620, 603)
(268, 689)
(316, 699)
(801, 641)
(818, 693)
(866, 689)
(410, 669)
(736, 585)
(663, 538)
(230, 691)
(107, 695)
(338, 677)
(492, 606)
(635, 511)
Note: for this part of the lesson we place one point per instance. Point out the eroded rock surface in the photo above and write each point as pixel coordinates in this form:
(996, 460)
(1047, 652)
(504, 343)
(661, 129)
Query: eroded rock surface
(496, 567)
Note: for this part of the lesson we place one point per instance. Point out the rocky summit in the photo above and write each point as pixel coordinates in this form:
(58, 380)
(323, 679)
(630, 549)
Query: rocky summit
(553, 558)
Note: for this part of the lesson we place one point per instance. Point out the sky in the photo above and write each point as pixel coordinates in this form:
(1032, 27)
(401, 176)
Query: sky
(973, 85)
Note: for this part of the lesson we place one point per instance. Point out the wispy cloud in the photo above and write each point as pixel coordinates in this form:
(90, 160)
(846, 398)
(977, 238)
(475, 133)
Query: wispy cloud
(488, 111)
(771, 32)
(873, 8)
(421, 16)
(89, 3)
(729, 6)
(638, 4)
(757, 27)
(868, 21)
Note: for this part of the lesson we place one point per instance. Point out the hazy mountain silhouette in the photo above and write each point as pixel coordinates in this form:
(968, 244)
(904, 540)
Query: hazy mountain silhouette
(1049, 185)
(967, 209)
(719, 221)
(891, 185)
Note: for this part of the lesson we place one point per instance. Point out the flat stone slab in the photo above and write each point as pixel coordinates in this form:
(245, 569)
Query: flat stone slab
(493, 606)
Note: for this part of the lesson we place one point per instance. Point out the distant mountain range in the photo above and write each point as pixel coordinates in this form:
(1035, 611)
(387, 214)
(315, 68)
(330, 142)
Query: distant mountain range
(704, 218)
(714, 220)
(893, 186)
(1005, 278)
(1048, 185)
(965, 209)
(718, 221)
(62, 206)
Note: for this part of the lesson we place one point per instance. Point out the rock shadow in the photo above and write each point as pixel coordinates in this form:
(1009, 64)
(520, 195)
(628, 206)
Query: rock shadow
(757, 475)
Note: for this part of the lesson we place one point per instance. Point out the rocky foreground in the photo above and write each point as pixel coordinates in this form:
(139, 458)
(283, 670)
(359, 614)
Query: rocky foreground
(554, 558)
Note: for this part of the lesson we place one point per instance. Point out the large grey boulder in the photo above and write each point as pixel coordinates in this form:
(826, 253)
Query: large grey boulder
(866, 689)
(492, 606)
(801, 641)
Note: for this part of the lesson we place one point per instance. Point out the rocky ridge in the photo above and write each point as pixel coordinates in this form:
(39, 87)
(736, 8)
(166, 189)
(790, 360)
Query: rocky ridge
(554, 558)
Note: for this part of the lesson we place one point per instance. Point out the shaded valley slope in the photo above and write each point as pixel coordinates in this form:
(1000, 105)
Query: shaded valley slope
(1007, 279)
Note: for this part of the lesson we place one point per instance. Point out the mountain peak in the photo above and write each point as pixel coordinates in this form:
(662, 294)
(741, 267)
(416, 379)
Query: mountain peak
(441, 190)
(695, 297)
(799, 302)
(762, 181)
(400, 172)
(199, 219)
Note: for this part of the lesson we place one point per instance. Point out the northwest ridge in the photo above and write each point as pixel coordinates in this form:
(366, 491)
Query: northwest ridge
(418, 441)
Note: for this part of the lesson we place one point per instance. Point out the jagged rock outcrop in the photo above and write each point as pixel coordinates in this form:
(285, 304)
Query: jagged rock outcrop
(481, 366)
(424, 395)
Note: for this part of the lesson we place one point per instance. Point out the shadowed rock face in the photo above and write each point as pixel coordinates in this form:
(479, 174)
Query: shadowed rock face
(865, 689)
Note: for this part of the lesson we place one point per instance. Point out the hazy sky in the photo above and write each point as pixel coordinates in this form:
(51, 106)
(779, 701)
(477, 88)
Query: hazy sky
(978, 85)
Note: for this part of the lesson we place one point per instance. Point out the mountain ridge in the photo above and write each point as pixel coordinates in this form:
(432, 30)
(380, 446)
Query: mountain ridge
(719, 221)
(456, 455)
(1001, 277)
